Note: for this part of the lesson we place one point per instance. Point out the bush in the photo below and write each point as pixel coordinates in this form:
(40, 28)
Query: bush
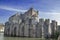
(56, 34)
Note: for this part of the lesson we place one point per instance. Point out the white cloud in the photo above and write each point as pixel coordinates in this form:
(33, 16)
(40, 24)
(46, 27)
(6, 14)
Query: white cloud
(11, 9)
(54, 16)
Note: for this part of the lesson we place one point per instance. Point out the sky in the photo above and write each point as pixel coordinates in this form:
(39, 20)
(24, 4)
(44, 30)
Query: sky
(48, 9)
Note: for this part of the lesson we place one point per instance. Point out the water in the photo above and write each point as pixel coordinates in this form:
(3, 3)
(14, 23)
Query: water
(19, 38)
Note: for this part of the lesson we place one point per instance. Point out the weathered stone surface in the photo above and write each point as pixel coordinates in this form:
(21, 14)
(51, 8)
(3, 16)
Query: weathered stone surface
(53, 27)
(46, 28)
(26, 30)
(28, 25)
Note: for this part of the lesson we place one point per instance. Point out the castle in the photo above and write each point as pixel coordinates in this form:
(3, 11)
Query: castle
(29, 25)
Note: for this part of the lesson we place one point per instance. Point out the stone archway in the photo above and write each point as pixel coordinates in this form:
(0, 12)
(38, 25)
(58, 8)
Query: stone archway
(14, 31)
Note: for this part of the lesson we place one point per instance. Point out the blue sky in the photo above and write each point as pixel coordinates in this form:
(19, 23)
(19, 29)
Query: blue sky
(47, 8)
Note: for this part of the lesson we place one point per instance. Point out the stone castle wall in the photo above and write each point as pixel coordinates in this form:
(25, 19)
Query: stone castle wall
(27, 25)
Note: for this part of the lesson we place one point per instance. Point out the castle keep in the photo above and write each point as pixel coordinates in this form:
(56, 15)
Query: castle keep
(29, 25)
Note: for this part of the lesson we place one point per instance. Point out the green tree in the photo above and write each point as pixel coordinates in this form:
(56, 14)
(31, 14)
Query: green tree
(56, 34)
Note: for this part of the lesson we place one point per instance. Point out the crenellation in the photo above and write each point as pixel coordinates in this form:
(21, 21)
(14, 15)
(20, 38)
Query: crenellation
(46, 27)
(53, 27)
(27, 25)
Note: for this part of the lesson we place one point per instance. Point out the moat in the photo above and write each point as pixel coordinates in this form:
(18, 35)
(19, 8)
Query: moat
(19, 38)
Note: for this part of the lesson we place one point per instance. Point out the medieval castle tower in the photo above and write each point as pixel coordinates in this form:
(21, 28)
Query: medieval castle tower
(29, 25)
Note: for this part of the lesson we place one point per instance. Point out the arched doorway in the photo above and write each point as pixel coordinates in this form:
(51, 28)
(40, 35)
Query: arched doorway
(14, 31)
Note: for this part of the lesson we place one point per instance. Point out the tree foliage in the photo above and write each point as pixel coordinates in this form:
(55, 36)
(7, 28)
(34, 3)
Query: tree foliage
(56, 34)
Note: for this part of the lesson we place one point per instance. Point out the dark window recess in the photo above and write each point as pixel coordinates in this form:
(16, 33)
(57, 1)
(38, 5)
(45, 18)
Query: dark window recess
(30, 20)
(22, 21)
(15, 31)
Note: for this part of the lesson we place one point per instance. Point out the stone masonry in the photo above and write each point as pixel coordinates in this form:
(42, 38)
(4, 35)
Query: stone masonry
(28, 24)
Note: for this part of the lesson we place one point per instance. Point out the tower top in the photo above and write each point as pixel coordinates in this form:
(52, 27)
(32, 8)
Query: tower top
(32, 12)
